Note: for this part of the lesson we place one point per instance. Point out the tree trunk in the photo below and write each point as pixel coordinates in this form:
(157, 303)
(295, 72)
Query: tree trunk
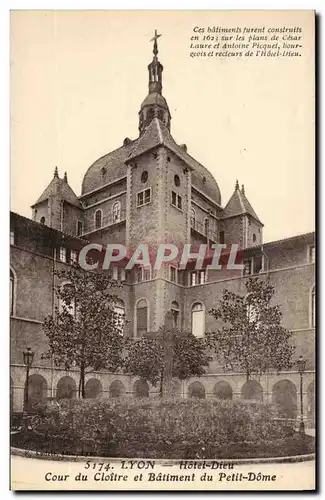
(168, 368)
(161, 383)
(82, 382)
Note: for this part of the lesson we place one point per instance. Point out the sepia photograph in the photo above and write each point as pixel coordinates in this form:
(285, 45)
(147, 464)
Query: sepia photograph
(162, 250)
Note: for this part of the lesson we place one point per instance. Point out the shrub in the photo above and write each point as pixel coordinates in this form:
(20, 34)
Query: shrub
(158, 428)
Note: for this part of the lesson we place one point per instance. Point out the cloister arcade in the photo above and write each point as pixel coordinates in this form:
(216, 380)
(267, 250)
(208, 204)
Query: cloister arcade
(281, 390)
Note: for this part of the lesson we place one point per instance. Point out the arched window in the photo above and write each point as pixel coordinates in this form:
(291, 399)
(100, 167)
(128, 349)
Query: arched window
(42, 220)
(116, 211)
(192, 217)
(198, 320)
(12, 293)
(175, 313)
(313, 308)
(98, 219)
(141, 318)
(119, 309)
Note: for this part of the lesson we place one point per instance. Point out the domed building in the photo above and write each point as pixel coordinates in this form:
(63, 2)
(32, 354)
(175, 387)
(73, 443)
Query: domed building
(151, 190)
(155, 173)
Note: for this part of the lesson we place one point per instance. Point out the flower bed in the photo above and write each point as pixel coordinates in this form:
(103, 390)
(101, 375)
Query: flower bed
(175, 429)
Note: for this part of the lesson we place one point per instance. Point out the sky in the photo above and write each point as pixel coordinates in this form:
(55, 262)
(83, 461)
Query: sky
(78, 79)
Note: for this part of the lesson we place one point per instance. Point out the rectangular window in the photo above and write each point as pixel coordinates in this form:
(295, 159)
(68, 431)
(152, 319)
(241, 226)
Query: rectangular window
(115, 273)
(140, 198)
(63, 254)
(138, 275)
(312, 254)
(147, 196)
(193, 278)
(247, 267)
(121, 274)
(198, 277)
(221, 237)
(79, 228)
(12, 238)
(142, 274)
(201, 277)
(173, 274)
(146, 273)
(144, 197)
(177, 200)
(257, 264)
(73, 256)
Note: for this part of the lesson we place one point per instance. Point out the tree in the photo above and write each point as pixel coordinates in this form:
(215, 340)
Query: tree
(181, 353)
(85, 331)
(251, 338)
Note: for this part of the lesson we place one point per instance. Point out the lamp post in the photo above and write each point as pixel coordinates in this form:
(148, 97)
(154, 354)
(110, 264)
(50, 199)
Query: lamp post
(28, 360)
(301, 369)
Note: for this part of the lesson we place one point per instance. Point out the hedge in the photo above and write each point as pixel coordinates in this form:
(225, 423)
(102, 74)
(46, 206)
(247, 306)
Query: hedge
(156, 428)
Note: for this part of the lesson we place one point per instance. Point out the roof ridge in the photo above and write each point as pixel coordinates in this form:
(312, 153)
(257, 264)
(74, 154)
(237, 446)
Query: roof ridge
(242, 204)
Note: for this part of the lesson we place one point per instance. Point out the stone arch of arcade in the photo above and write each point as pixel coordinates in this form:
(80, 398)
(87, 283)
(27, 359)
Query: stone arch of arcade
(252, 390)
(117, 389)
(284, 397)
(196, 390)
(66, 388)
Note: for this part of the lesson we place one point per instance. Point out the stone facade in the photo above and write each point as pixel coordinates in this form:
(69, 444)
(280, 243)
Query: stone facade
(150, 190)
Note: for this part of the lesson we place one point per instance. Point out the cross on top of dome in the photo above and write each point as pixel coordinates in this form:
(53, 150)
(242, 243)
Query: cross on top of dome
(155, 45)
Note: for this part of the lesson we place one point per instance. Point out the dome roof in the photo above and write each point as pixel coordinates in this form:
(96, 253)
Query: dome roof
(204, 181)
(107, 169)
(154, 98)
(112, 166)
